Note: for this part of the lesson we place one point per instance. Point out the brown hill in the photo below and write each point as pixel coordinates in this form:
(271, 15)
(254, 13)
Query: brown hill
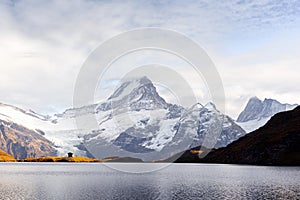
(22, 142)
(276, 143)
(5, 157)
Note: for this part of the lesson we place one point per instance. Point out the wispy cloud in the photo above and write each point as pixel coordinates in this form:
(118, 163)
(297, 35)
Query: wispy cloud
(44, 43)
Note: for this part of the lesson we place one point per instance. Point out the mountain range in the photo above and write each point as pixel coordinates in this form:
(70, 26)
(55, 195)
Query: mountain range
(276, 143)
(135, 121)
(257, 112)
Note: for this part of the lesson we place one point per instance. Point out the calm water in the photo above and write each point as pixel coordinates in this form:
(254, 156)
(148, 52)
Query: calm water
(178, 181)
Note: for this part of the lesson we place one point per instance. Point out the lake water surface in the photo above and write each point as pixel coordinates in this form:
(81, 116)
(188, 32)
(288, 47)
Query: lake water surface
(177, 181)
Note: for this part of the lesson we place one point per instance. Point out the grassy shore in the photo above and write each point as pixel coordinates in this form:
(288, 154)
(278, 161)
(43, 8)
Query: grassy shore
(4, 157)
(61, 159)
(79, 159)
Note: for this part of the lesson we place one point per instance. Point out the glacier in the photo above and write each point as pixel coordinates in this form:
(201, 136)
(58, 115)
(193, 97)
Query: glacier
(134, 121)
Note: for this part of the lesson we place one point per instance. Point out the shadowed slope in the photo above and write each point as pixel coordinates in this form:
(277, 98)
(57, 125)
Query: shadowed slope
(276, 143)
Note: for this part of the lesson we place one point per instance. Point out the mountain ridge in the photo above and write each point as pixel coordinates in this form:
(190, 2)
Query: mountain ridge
(257, 108)
(21, 142)
(155, 129)
(257, 112)
(133, 120)
(276, 143)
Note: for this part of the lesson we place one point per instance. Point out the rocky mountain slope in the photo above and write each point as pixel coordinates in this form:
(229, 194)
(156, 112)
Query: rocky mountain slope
(21, 142)
(60, 131)
(276, 143)
(258, 112)
(135, 121)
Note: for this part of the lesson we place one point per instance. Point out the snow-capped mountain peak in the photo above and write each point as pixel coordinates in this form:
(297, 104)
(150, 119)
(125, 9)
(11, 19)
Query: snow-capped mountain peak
(128, 86)
(252, 109)
(5, 108)
(134, 121)
(210, 106)
(256, 109)
(135, 94)
(196, 106)
(258, 112)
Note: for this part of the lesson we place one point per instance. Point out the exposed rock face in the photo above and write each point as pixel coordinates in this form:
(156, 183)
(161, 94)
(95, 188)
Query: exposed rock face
(199, 121)
(21, 142)
(257, 109)
(257, 112)
(276, 143)
(136, 121)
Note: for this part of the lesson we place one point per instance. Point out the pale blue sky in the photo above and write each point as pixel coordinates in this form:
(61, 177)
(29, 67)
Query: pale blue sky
(255, 44)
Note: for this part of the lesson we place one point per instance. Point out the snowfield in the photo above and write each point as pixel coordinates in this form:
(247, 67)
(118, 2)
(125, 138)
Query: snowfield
(136, 119)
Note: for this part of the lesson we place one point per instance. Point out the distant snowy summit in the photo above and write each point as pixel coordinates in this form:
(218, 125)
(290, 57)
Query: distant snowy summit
(257, 112)
(134, 121)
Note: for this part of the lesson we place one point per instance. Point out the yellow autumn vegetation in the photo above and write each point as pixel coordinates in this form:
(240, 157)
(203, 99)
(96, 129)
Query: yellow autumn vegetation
(61, 159)
(4, 157)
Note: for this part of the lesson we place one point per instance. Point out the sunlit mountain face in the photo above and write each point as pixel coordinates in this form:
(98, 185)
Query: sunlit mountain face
(134, 121)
